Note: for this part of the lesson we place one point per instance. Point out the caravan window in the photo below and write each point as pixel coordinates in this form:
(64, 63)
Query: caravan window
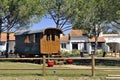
(30, 38)
(27, 39)
(48, 37)
(53, 37)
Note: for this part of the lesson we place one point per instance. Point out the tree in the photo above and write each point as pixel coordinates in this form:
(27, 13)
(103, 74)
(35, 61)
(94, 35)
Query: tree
(61, 11)
(94, 15)
(17, 14)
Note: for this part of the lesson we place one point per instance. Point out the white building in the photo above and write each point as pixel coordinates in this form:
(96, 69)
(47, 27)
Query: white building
(76, 40)
(3, 42)
(113, 40)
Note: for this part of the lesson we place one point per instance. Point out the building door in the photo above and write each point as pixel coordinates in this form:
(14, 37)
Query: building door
(75, 46)
(85, 46)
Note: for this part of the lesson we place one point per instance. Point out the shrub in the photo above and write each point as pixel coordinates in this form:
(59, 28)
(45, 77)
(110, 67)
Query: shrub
(65, 53)
(100, 52)
(75, 53)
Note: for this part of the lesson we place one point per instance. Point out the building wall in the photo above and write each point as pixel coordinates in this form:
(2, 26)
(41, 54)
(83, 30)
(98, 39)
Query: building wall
(79, 40)
(67, 46)
(109, 39)
(2, 46)
(11, 46)
(115, 40)
(89, 48)
(105, 47)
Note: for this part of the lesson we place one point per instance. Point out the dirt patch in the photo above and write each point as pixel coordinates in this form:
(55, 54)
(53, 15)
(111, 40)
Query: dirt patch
(76, 66)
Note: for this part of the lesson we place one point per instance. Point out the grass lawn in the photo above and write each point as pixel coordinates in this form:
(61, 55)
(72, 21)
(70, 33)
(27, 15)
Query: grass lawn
(50, 74)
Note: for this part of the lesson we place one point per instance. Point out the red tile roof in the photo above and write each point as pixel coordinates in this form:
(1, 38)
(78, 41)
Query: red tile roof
(64, 38)
(3, 36)
(79, 33)
(100, 39)
(76, 33)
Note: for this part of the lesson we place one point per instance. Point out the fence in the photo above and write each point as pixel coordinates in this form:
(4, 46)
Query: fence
(113, 54)
(92, 58)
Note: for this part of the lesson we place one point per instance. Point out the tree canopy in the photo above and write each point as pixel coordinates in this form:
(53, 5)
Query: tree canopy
(61, 11)
(97, 13)
(19, 13)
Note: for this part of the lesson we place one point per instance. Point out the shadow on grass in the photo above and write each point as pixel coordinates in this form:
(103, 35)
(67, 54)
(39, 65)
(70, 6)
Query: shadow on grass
(20, 74)
(98, 62)
(72, 75)
(69, 75)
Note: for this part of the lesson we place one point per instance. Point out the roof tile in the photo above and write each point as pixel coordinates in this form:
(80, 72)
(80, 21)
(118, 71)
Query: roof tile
(64, 38)
(3, 36)
(76, 33)
(100, 39)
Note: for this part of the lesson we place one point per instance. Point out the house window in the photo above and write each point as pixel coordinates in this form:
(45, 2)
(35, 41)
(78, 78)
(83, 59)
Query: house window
(93, 46)
(74, 46)
(63, 45)
(99, 45)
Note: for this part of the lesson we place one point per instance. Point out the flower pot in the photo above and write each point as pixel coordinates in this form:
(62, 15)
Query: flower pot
(50, 63)
(70, 61)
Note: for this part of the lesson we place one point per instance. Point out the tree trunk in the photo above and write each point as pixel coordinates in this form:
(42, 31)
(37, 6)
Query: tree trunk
(0, 27)
(7, 45)
(58, 14)
(96, 43)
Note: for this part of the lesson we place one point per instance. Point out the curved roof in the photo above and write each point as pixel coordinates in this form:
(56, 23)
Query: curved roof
(37, 31)
(57, 29)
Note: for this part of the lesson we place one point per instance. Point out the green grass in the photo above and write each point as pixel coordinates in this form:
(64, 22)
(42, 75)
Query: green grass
(50, 75)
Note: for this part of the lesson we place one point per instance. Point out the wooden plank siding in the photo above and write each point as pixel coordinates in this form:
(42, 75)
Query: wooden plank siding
(49, 47)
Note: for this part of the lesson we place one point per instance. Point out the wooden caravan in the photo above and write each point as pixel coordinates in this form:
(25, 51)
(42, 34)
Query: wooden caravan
(46, 41)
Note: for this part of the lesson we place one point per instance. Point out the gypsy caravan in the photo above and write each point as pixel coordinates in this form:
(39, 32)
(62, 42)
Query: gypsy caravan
(38, 43)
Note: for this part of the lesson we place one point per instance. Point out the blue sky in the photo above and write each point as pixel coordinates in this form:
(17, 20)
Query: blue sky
(44, 23)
